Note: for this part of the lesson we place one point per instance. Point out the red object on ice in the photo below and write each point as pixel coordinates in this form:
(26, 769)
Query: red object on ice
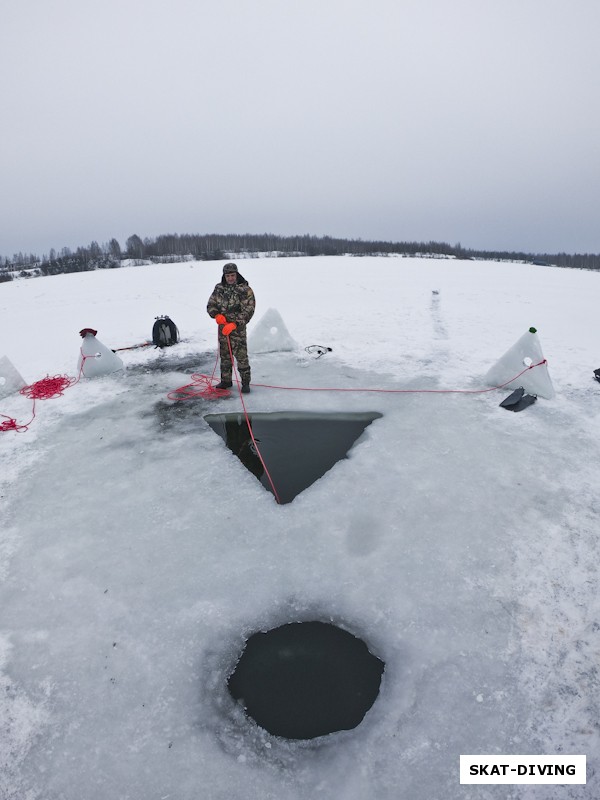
(83, 332)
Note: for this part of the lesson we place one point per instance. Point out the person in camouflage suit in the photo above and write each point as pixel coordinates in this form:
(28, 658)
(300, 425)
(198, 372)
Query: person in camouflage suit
(232, 305)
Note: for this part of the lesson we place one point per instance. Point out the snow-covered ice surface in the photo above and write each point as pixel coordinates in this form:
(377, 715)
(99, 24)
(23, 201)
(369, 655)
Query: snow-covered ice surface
(459, 540)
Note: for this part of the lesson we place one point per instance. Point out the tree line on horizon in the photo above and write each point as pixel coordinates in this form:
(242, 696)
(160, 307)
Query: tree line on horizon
(170, 248)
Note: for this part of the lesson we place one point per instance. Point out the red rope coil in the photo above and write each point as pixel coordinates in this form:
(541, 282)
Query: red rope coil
(201, 386)
(48, 387)
(11, 424)
(44, 389)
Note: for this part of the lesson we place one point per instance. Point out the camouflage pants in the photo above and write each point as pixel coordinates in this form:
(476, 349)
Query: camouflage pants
(239, 347)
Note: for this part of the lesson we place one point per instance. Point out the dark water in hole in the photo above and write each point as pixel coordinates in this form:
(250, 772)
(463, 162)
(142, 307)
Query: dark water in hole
(306, 679)
(297, 448)
(169, 361)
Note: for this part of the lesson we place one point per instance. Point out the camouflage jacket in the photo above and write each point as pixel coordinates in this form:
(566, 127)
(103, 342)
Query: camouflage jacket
(235, 302)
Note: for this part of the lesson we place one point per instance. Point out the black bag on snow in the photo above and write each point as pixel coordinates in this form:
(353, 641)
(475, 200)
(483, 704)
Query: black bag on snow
(164, 332)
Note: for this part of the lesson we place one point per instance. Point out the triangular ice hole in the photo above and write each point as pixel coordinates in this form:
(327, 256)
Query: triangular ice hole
(297, 448)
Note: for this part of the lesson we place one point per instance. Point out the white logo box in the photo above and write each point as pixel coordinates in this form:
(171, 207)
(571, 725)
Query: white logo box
(522, 769)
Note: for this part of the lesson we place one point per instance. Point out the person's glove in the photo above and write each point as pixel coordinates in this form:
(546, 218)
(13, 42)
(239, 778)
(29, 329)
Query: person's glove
(231, 326)
(220, 319)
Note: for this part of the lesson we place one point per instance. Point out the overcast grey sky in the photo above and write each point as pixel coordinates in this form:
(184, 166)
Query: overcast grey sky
(451, 120)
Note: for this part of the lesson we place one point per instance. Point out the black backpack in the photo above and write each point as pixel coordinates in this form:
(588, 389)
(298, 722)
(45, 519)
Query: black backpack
(164, 332)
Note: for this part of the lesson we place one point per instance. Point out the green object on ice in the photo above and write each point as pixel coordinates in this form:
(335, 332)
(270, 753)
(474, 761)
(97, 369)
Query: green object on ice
(532, 330)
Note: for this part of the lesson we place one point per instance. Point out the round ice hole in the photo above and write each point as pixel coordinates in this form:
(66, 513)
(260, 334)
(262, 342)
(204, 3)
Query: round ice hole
(306, 679)
(527, 361)
(273, 331)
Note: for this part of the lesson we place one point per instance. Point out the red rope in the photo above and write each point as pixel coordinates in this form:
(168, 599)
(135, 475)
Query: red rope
(201, 386)
(190, 390)
(132, 347)
(48, 387)
(405, 391)
(44, 389)
(11, 424)
(254, 442)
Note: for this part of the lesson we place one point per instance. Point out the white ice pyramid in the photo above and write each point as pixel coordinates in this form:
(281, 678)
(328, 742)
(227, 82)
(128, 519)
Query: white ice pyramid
(270, 335)
(96, 358)
(526, 352)
(10, 379)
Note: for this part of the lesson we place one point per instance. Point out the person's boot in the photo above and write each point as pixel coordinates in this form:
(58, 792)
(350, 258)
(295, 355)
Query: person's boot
(224, 385)
(245, 387)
